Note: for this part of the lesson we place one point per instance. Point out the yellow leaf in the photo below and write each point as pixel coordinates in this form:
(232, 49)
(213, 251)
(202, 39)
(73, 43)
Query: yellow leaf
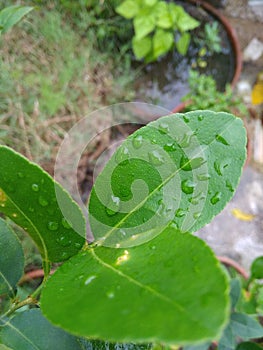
(239, 214)
(257, 93)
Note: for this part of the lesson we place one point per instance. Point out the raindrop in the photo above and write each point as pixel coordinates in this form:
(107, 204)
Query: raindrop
(110, 295)
(42, 201)
(163, 128)
(153, 141)
(180, 213)
(137, 141)
(216, 198)
(64, 241)
(153, 247)
(195, 200)
(89, 280)
(35, 187)
(65, 223)
(52, 226)
(222, 140)
(113, 206)
(122, 154)
(14, 215)
(197, 215)
(174, 224)
(229, 186)
(20, 175)
(2, 205)
(203, 177)
(123, 233)
(65, 255)
(189, 164)
(77, 245)
(186, 119)
(186, 140)
(188, 186)
(200, 117)
(31, 209)
(170, 147)
(220, 166)
(155, 158)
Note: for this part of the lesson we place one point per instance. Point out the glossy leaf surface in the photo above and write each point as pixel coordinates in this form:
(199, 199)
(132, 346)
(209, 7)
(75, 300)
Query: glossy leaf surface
(171, 290)
(28, 197)
(181, 168)
(257, 268)
(29, 330)
(11, 259)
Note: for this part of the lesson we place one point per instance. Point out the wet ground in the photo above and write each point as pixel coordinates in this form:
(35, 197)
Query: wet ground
(238, 231)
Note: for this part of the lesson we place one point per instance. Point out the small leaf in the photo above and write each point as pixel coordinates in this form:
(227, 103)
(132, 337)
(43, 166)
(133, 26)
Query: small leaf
(186, 22)
(248, 346)
(257, 268)
(11, 259)
(162, 42)
(141, 47)
(176, 169)
(144, 24)
(245, 326)
(9, 16)
(140, 294)
(235, 291)
(164, 19)
(183, 43)
(29, 330)
(128, 9)
(227, 340)
(28, 195)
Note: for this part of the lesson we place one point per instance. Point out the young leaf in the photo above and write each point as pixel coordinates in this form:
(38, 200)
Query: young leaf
(143, 24)
(28, 197)
(183, 43)
(257, 268)
(227, 341)
(9, 16)
(162, 42)
(182, 168)
(29, 330)
(245, 326)
(141, 47)
(128, 9)
(235, 291)
(171, 290)
(11, 259)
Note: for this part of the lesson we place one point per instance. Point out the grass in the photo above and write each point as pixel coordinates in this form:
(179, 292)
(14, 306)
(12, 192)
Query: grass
(52, 73)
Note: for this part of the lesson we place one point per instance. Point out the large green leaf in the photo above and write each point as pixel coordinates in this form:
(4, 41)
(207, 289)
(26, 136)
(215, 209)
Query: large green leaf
(141, 47)
(9, 16)
(182, 168)
(29, 330)
(28, 197)
(171, 290)
(11, 259)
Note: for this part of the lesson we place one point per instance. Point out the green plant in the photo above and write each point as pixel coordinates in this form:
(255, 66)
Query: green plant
(9, 16)
(159, 27)
(204, 94)
(144, 279)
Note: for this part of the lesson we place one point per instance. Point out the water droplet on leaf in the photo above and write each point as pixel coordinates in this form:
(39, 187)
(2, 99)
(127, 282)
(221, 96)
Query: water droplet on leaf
(180, 213)
(42, 201)
(89, 280)
(65, 223)
(52, 226)
(35, 187)
(222, 140)
(188, 186)
(170, 147)
(216, 198)
(137, 141)
(64, 241)
(163, 128)
(229, 186)
(203, 177)
(122, 154)
(155, 158)
(110, 295)
(200, 117)
(186, 119)
(220, 166)
(190, 164)
(20, 175)
(113, 206)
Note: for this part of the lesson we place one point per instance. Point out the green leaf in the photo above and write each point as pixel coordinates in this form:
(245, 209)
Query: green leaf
(11, 259)
(162, 42)
(227, 341)
(171, 290)
(235, 291)
(182, 168)
(29, 197)
(9, 16)
(245, 326)
(128, 9)
(204, 346)
(183, 43)
(144, 24)
(186, 22)
(164, 19)
(29, 330)
(150, 2)
(248, 346)
(3, 347)
(256, 269)
(141, 47)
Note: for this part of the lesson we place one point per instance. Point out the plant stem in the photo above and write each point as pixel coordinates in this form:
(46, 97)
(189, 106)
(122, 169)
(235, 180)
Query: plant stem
(28, 301)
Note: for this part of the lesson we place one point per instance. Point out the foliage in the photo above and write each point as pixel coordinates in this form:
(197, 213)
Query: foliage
(204, 94)
(132, 283)
(159, 27)
(9, 16)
